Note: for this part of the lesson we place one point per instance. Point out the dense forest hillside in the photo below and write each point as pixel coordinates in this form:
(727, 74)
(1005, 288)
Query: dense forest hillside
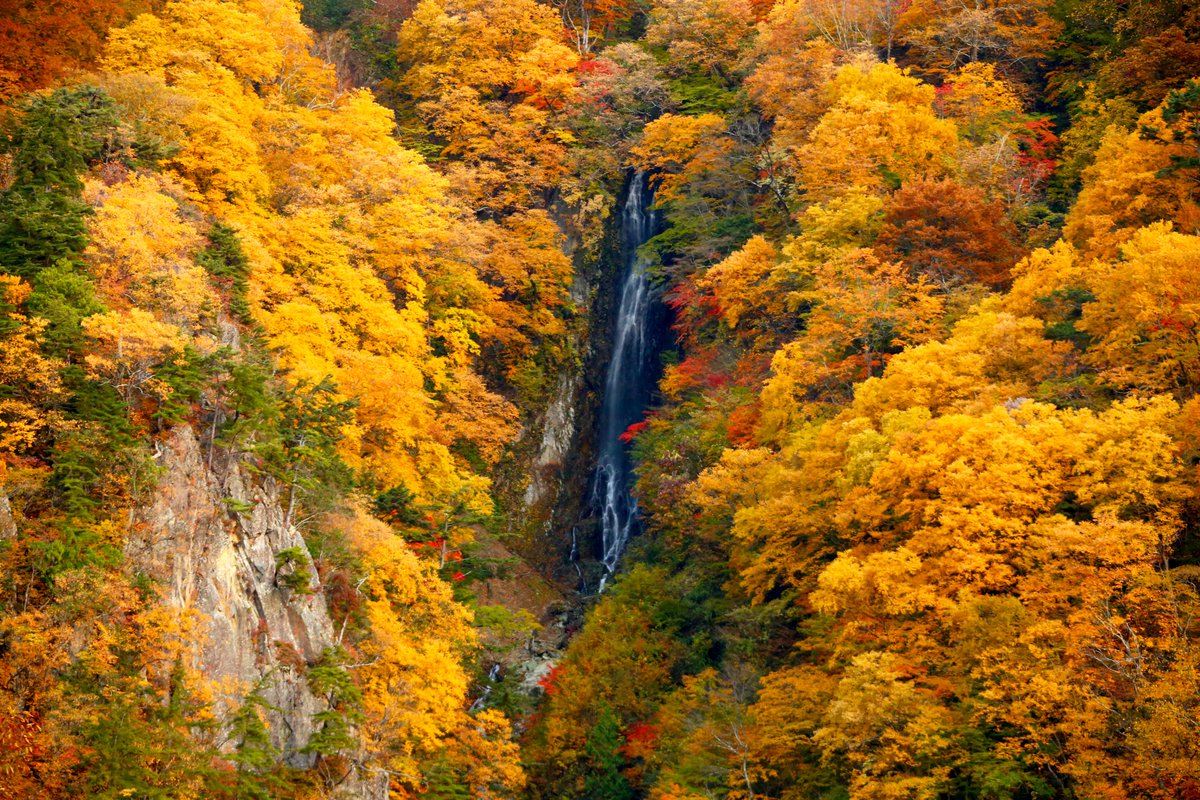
(308, 313)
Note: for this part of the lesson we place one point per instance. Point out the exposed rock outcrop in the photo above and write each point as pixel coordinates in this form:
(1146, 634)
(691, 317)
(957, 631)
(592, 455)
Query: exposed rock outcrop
(210, 537)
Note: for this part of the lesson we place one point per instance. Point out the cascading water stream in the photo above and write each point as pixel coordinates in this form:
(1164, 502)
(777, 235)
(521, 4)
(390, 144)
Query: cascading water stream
(629, 382)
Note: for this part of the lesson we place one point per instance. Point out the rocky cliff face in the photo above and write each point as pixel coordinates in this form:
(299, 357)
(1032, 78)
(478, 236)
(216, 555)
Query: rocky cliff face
(210, 537)
(541, 488)
(560, 432)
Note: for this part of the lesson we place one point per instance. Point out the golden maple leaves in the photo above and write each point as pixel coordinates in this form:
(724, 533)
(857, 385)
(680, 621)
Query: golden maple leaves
(361, 268)
(359, 277)
(971, 497)
(29, 377)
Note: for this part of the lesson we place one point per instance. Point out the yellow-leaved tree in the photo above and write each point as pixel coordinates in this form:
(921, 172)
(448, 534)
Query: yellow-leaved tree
(879, 130)
(364, 276)
(414, 676)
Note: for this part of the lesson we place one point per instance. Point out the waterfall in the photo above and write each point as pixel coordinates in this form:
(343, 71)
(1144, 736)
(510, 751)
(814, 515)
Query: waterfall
(630, 379)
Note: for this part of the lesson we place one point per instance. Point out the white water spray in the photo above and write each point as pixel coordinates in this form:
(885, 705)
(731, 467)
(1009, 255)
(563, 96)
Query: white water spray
(628, 384)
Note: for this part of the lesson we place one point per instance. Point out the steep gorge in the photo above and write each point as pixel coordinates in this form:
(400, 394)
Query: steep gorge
(630, 376)
(689, 400)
